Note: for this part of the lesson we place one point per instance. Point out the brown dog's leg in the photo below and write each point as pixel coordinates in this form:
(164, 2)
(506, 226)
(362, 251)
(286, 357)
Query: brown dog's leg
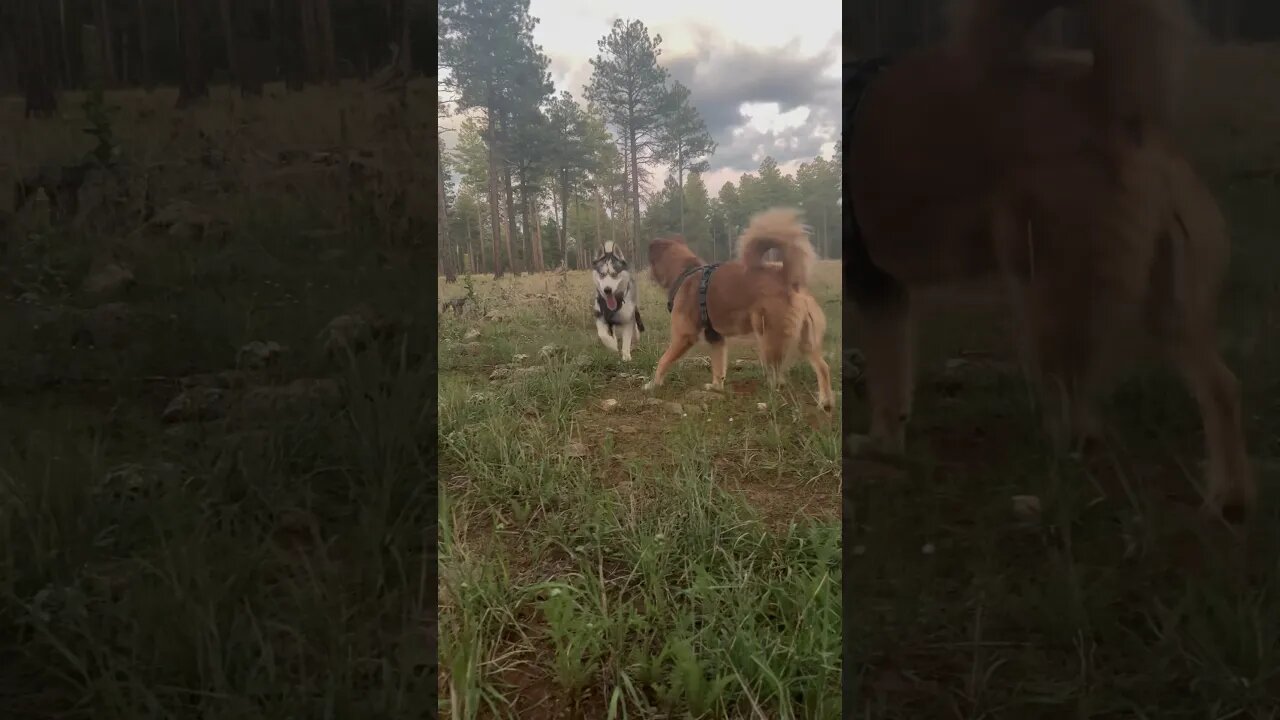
(1230, 481)
(826, 397)
(719, 365)
(887, 338)
(680, 345)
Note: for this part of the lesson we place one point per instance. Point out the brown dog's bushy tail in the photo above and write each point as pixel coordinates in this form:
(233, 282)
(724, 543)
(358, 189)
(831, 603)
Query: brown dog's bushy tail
(779, 229)
(1138, 47)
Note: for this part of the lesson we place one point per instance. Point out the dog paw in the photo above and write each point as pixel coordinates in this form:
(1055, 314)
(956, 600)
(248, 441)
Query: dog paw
(626, 358)
(713, 387)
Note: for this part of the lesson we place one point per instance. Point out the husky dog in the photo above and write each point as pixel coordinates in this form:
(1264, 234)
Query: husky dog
(615, 309)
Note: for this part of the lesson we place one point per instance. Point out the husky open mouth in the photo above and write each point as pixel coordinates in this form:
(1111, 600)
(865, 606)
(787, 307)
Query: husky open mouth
(611, 300)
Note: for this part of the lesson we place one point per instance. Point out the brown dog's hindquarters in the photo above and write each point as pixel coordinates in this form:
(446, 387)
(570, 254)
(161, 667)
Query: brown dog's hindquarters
(1059, 177)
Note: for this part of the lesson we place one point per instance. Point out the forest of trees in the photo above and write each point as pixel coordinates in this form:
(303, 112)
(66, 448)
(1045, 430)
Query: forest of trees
(544, 178)
(892, 26)
(51, 45)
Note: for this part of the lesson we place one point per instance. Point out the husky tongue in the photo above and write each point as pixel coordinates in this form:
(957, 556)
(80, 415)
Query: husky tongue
(611, 301)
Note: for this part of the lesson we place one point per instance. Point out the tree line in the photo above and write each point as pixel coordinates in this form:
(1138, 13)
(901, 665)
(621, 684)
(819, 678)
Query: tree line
(892, 26)
(522, 149)
(47, 46)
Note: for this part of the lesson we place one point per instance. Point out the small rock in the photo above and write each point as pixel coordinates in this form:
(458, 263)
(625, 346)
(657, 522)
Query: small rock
(551, 352)
(472, 334)
(500, 373)
(674, 407)
(1026, 507)
(575, 450)
(581, 360)
(609, 404)
(762, 406)
(521, 357)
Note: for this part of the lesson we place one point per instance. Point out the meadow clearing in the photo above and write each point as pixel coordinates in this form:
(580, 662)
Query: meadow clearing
(607, 553)
(215, 420)
(989, 581)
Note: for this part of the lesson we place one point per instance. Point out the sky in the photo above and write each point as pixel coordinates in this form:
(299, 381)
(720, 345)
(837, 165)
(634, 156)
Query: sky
(765, 82)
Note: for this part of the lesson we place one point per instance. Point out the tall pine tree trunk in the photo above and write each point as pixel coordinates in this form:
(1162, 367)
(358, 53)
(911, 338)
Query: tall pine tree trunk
(599, 237)
(309, 32)
(480, 235)
(511, 222)
(328, 53)
(68, 79)
(406, 46)
(680, 184)
(537, 240)
(470, 262)
(505, 230)
(635, 194)
(33, 56)
(144, 46)
(495, 222)
(195, 85)
(229, 37)
(535, 262)
(443, 233)
(102, 16)
(555, 211)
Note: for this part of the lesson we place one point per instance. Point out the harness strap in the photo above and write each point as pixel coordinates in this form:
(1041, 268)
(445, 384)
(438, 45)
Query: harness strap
(704, 318)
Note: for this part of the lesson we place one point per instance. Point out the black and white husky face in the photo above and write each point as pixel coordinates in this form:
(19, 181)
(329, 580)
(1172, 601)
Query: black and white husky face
(611, 276)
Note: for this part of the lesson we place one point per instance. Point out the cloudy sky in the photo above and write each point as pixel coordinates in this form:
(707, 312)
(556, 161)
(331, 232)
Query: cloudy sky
(766, 80)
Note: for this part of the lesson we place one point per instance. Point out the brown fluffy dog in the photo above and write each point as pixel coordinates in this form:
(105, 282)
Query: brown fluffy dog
(980, 159)
(746, 297)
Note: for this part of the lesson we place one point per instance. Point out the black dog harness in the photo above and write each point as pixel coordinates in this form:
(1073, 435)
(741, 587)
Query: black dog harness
(704, 320)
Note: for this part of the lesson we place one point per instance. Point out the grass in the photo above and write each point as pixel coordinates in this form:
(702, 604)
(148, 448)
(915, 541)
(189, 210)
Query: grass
(274, 562)
(1115, 600)
(644, 562)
